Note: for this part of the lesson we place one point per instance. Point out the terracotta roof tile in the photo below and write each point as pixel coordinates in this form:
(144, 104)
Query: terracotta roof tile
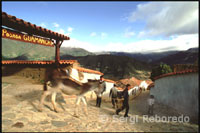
(150, 85)
(81, 69)
(21, 25)
(149, 81)
(132, 81)
(37, 62)
(176, 73)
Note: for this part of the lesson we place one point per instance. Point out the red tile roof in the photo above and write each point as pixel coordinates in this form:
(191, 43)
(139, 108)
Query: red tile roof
(37, 62)
(136, 81)
(176, 73)
(81, 69)
(24, 26)
(149, 81)
(108, 80)
(151, 85)
(132, 81)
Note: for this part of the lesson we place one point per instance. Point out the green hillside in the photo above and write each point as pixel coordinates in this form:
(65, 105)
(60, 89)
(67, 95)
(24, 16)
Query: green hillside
(114, 67)
(12, 49)
(15, 49)
(74, 51)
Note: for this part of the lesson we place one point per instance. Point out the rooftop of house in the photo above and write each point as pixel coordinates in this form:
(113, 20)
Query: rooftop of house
(81, 69)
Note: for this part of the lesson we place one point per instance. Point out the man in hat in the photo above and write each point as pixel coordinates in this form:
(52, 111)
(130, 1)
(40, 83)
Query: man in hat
(125, 103)
(113, 95)
(100, 91)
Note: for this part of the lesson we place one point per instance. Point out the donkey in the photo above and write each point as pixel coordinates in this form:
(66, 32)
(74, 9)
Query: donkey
(58, 80)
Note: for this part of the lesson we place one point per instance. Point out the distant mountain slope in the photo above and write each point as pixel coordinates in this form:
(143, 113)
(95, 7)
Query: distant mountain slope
(114, 67)
(145, 57)
(169, 57)
(12, 49)
(183, 57)
(21, 50)
(74, 51)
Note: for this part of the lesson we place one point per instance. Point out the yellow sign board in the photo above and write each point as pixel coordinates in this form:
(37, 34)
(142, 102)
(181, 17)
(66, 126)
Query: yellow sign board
(6, 33)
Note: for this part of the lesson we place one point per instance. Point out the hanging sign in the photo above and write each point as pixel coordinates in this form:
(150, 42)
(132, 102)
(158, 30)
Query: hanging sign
(6, 33)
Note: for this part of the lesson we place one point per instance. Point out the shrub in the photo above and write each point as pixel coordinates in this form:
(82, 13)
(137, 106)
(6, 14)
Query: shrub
(159, 70)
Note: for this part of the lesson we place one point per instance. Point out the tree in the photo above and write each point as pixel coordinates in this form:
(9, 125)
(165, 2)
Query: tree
(159, 70)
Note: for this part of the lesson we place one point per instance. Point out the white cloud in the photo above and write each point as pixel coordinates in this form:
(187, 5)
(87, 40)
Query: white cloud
(70, 29)
(56, 25)
(93, 34)
(43, 25)
(103, 35)
(61, 31)
(128, 32)
(80, 44)
(167, 18)
(182, 42)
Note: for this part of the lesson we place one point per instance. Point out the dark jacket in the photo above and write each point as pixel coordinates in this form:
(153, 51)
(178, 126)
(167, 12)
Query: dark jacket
(125, 95)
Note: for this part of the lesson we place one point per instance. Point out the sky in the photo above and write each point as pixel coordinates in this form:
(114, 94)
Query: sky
(115, 26)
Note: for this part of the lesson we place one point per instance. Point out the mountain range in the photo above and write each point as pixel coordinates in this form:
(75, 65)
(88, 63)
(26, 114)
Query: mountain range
(169, 57)
(115, 65)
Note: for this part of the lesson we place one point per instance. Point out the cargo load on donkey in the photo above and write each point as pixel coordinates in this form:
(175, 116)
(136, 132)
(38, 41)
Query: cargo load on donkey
(119, 100)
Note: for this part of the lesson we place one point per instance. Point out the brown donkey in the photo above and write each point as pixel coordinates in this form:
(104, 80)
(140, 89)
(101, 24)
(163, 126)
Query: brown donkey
(57, 80)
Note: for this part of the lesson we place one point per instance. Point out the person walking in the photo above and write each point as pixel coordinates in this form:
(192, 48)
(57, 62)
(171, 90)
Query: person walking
(151, 101)
(100, 91)
(126, 101)
(113, 95)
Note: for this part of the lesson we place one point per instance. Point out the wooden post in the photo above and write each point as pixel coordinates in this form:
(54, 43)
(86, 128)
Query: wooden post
(57, 57)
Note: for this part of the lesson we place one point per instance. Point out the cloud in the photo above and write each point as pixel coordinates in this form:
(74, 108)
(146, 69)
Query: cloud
(56, 25)
(128, 32)
(167, 18)
(93, 34)
(74, 43)
(43, 25)
(103, 35)
(182, 42)
(70, 29)
(61, 31)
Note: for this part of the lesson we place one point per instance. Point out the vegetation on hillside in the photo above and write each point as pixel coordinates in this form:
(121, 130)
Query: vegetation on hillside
(159, 70)
(12, 49)
(116, 67)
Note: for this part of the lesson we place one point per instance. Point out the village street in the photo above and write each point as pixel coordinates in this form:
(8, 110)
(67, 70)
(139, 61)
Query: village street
(20, 99)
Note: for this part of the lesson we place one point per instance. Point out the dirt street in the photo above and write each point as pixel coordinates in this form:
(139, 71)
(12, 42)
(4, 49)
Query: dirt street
(20, 99)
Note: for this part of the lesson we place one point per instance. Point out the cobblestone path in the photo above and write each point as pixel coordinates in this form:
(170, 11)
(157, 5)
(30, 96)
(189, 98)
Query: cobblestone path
(20, 99)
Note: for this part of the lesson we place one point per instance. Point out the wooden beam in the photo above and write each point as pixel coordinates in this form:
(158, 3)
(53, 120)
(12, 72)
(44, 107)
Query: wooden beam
(57, 56)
